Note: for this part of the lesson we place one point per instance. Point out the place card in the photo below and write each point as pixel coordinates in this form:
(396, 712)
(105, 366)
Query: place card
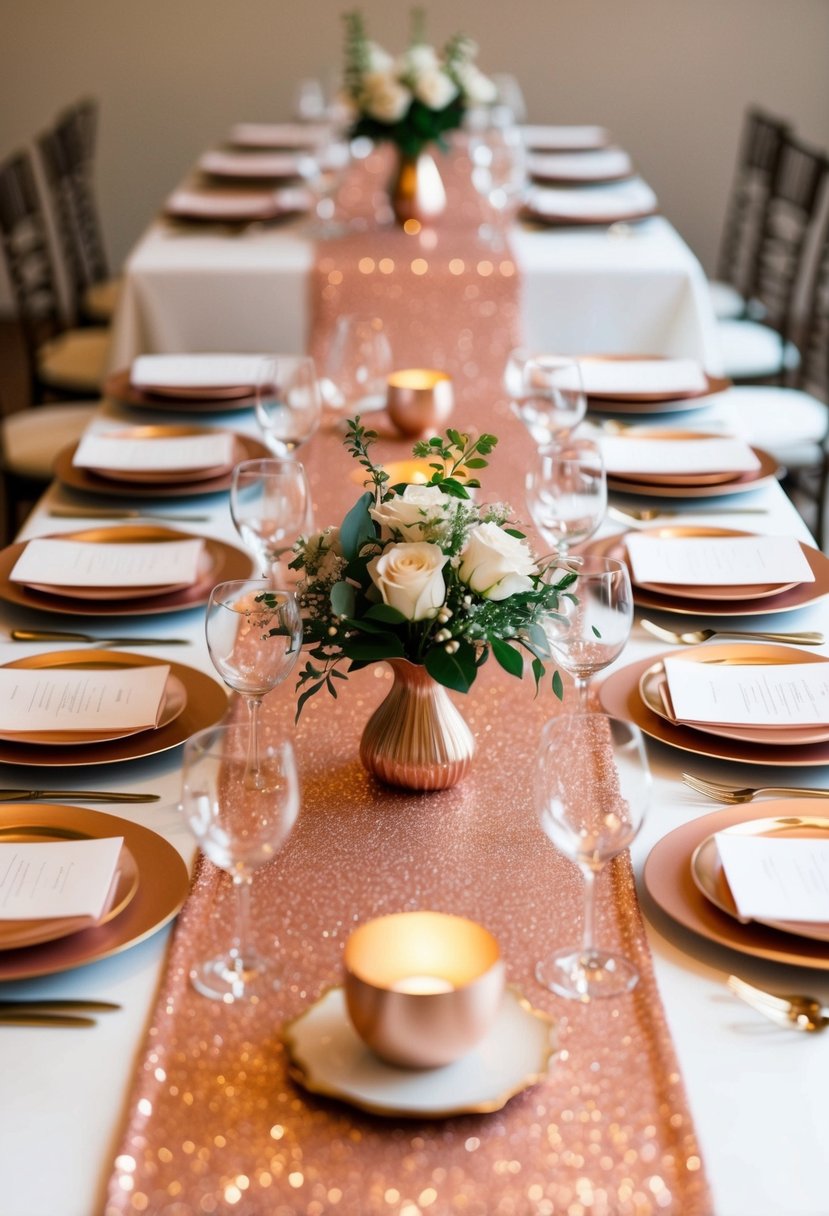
(123, 451)
(194, 371)
(53, 562)
(60, 878)
(775, 694)
(717, 561)
(772, 879)
(623, 454)
(38, 699)
(645, 376)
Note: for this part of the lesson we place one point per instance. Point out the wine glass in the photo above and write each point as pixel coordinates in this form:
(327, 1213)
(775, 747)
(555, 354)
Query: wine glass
(592, 623)
(499, 174)
(592, 789)
(240, 829)
(288, 402)
(357, 366)
(567, 492)
(254, 636)
(547, 394)
(323, 171)
(309, 104)
(270, 505)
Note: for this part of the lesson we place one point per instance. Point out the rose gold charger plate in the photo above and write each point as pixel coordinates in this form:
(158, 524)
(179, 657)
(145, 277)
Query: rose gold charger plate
(702, 486)
(119, 388)
(620, 694)
(678, 600)
(689, 480)
(221, 562)
(205, 702)
(183, 484)
(163, 883)
(669, 880)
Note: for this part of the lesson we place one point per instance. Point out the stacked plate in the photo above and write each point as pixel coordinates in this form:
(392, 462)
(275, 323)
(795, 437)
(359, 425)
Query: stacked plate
(646, 384)
(187, 382)
(684, 464)
(250, 165)
(580, 168)
(239, 206)
(282, 136)
(552, 138)
(598, 204)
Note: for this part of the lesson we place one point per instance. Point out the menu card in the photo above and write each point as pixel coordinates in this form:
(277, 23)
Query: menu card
(81, 699)
(64, 878)
(777, 879)
(717, 561)
(122, 450)
(71, 563)
(775, 695)
(629, 454)
(194, 371)
(642, 376)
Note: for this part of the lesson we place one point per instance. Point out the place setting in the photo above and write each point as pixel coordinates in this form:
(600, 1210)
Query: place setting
(599, 204)
(187, 383)
(646, 384)
(668, 463)
(580, 168)
(205, 205)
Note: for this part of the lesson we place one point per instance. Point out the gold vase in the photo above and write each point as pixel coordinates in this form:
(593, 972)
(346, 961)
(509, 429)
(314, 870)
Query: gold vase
(416, 738)
(417, 191)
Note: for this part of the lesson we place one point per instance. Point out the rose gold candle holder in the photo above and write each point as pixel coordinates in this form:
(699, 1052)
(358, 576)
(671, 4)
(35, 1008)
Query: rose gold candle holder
(419, 399)
(422, 988)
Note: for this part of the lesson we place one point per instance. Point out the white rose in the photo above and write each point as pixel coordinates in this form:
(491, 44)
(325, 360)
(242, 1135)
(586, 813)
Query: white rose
(495, 564)
(409, 577)
(384, 98)
(419, 58)
(408, 513)
(378, 60)
(477, 88)
(435, 89)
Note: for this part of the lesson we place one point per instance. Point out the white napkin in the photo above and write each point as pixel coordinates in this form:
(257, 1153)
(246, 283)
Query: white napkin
(124, 452)
(63, 878)
(717, 561)
(630, 454)
(774, 879)
(608, 203)
(642, 376)
(194, 371)
(81, 699)
(66, 563)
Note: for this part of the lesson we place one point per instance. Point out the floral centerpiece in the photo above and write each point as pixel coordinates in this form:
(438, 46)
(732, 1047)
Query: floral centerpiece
(423, 577)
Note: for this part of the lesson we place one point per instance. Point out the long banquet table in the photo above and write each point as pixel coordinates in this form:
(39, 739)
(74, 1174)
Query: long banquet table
(756, 1092)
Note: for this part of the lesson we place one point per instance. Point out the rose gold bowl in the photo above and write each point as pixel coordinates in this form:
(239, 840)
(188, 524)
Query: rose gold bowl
(419, 399)
(422, 988)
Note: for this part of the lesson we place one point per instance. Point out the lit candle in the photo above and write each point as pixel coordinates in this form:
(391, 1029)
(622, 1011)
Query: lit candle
(419, 399)
(422, 985)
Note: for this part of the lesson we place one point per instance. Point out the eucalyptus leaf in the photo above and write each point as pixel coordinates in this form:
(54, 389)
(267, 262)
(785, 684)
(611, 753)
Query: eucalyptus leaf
(357, 527)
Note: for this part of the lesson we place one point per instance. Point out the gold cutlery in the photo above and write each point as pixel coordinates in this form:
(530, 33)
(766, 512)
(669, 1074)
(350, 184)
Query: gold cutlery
(56, 1005)
(736, 794)
(796, 1011)
(693, 636)
(65, 512)
(9, 1017)
(647, 514)
(60, 635)
(86, 795)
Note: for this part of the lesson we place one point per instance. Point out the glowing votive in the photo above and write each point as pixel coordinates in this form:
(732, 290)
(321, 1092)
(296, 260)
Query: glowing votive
(422, 985)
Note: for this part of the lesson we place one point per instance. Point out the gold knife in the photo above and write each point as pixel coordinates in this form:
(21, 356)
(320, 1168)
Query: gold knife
(58, 1005)
(86, 795)
(123, 513)
(13, 1018)
(64, 635)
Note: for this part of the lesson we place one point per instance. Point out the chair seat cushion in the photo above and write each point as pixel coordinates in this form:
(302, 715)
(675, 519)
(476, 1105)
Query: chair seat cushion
(75, 360)
(751, 351)
(32, 438)
(726, 300)
(101, 299)
(788, 423)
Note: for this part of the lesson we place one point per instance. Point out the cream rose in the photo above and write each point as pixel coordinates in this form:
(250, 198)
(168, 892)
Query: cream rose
(435, 89)
(384, 98)
(409, 577)
(477, 88)
(406, 515)
(495, 564)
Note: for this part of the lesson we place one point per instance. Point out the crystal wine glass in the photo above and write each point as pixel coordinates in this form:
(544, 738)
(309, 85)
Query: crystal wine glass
(288, 402)
(547, 394)
(567, 492)
(592, 789)
(240, 828)
(592, 623)
(499, 174)
(323, 171)
(254, 636)
(357, 366)
(270, 505)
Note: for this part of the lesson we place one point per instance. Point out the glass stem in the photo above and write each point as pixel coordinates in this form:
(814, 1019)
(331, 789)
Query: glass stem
(252, 773)
(239, 944)
(583, 689)
(587, 937)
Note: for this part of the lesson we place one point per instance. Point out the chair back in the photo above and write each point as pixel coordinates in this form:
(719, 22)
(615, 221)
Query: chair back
(75, 134)
(58, 179)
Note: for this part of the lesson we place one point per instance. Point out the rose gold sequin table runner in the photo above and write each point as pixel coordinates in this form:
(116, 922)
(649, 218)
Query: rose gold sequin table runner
(215, 1123)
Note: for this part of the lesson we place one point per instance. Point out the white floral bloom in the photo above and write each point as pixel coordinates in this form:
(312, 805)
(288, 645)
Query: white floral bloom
(477, 88)
(378, 59)
(409, 577)
(435, 89)
(495, 564)
(383, 97)
(417, 59)
(407, 515)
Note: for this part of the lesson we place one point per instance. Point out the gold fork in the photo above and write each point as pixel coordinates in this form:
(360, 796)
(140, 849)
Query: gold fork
(735, 794)
(796, 1011)
(693, 636)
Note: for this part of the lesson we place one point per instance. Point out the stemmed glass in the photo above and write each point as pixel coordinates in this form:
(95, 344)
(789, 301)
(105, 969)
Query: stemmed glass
(567, 492)
(499, 174)
(254, 636)
(288, 402)
(547, 394)
(592, 789)
(240, 829)
(357, 366)
(323, 171)
(592, 623)
(309, 104)
(270, 505)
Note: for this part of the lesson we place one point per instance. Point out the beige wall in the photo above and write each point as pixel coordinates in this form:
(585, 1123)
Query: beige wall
(670, 77)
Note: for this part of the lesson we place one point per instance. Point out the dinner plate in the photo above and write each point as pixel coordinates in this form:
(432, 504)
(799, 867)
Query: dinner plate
(97, 481)
(327, 1057)
(279, 135)
(620, 695)
(163, 883)
(669, 881)
(222, 561)
(119, 389)
(584, 167)
(709, 875)
(739, 483)
(205, 703)
(556, 138)
(655, 694)
(676, 479)
(244, 206)
(249, 164)
(15, 934)
(621, 393)
(782, 601)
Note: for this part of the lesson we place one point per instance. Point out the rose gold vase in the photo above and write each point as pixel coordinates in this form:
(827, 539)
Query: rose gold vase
(417, 191)
(416, 738)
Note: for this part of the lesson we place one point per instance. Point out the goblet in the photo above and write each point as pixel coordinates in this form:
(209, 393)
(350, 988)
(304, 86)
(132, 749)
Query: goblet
(357, 366)
(288, 402)
(592, 623)
(254, 636)
(567, 492)
(239, 828)
(592, 789)
(547, 394)
(270, 505)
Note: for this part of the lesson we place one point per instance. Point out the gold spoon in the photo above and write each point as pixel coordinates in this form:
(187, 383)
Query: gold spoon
(692, 636)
